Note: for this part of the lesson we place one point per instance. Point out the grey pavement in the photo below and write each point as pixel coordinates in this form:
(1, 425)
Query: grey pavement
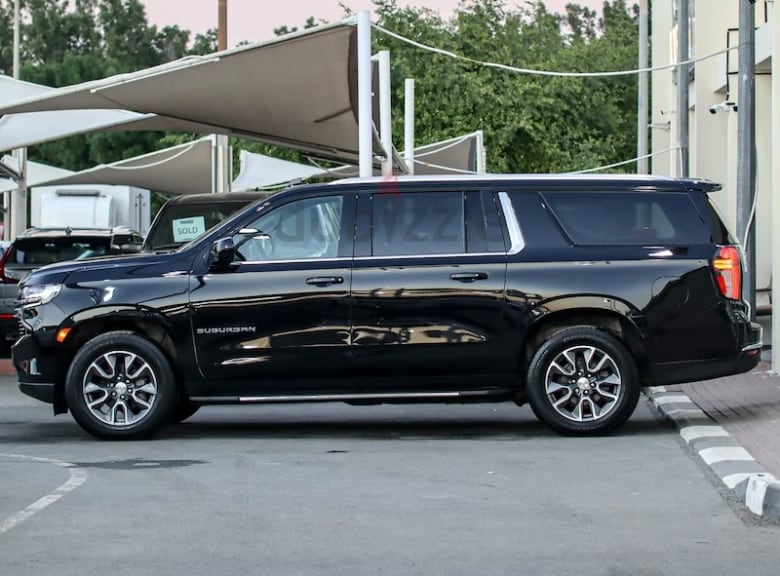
(334, 489)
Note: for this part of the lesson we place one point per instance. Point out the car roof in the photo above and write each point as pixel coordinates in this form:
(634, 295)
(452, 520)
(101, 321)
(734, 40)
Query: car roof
(36, 232)
(645, 181)
(219, 197)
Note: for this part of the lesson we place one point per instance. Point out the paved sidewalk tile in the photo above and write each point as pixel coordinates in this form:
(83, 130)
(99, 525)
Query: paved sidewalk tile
(748, 407)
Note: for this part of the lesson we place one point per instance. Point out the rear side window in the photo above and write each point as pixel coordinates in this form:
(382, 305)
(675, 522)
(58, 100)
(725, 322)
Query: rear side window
(628, 218)
(421, 223)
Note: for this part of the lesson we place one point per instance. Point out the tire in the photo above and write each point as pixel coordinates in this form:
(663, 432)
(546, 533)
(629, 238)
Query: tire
(120, 386)
(582, 381)
(183, 410)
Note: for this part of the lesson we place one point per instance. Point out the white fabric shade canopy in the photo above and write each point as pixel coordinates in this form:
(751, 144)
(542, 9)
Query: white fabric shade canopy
(297, 91)
(260, 171)
(182, 169)
(20, 130)
(37, 173)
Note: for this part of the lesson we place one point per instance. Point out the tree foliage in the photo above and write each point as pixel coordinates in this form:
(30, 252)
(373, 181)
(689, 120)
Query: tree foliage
(67, 42)
(531, 123)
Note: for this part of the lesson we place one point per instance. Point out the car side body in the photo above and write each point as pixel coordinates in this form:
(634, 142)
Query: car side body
(420, 289)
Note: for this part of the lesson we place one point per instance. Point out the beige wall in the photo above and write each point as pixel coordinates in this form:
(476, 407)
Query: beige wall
(713, 137)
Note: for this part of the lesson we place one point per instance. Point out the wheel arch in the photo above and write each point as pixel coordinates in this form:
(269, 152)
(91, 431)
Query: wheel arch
(608, 314)
(150, 324)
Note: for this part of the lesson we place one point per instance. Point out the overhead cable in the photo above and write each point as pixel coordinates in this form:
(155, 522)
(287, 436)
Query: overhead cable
(547, 72)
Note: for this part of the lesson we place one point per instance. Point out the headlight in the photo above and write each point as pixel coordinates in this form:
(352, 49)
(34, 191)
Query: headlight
(40, 294)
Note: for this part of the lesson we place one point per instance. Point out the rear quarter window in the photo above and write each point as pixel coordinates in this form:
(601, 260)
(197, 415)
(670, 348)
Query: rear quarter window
(628, 218)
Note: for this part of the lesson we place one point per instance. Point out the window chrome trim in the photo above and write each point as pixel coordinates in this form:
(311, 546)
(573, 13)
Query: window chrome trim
(434, 255)
(346, 259)
(517, 243)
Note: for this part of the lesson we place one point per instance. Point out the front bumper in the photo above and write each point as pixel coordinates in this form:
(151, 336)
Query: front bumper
(38, 374)
(9, 328)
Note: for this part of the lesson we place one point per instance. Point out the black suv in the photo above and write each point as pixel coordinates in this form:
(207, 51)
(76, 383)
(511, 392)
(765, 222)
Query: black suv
(566, 292)
(36, 247)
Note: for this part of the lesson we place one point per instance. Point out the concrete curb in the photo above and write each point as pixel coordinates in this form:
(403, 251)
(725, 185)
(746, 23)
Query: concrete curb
(737, 469)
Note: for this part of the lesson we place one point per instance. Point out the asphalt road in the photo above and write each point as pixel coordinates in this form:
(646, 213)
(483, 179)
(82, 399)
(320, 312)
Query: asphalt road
(333, 489)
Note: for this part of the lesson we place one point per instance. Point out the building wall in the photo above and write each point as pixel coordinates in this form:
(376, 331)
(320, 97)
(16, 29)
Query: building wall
(713, 137)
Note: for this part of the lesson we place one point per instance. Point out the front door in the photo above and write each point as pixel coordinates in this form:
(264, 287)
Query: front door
(277, 321)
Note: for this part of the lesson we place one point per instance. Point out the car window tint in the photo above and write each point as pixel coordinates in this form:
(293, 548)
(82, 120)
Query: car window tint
(308, 228)
(627, 218)
(418, 223)
(40, 251)
(180, 223)
(483, 225)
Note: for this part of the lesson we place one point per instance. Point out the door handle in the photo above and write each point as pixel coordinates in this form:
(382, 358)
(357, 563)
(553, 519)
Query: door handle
(324, 280)
(468, 276)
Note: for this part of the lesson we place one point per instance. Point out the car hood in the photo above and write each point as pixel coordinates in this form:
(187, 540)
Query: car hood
(57, 272)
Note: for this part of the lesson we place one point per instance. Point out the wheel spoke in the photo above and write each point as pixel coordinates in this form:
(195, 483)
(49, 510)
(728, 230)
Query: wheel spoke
(143, 403)
(553, 387)
(98, 401)
(562, 369)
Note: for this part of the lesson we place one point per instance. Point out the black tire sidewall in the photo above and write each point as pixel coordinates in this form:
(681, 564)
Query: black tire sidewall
(582, 335)
(166, 389)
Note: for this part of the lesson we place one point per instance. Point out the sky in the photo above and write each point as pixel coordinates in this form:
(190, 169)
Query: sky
(255, 20)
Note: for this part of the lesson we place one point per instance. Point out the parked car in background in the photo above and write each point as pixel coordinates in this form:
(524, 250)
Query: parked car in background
(36, 247)
(566, 292)
(186, 217)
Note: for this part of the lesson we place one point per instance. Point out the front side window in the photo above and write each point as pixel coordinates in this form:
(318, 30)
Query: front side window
(303, 229)
(420, 223)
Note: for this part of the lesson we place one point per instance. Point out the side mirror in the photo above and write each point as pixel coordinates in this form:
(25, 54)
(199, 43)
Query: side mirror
(222, 252)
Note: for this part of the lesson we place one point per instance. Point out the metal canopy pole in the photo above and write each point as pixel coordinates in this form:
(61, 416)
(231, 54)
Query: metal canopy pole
(643, 110)
(18, 204)
(222, 151)
(746, 142)
(385, 111)
(775, 235)
(365, 120)
(682, 86)
(409, 124)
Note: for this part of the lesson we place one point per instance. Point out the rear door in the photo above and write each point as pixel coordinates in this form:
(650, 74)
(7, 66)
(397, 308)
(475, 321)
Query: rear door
(428, 288)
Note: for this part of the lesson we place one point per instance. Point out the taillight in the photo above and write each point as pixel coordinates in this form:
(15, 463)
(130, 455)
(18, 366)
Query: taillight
(3, 276)
(727, 266)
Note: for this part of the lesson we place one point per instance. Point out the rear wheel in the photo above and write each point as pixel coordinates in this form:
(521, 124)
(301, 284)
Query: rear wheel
(120, 385)
(582, 380)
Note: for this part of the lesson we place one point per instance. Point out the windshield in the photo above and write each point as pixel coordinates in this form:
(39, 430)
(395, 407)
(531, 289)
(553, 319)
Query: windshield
(29, 253)
(178, 224)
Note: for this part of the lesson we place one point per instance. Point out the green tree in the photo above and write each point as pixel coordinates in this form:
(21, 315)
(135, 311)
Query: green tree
(531, 123)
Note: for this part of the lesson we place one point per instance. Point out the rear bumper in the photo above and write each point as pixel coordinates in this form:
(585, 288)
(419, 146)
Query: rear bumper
(745, 360)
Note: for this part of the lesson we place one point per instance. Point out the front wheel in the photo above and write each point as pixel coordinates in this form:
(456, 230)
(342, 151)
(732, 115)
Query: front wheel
(120, 386)
(582, 380)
